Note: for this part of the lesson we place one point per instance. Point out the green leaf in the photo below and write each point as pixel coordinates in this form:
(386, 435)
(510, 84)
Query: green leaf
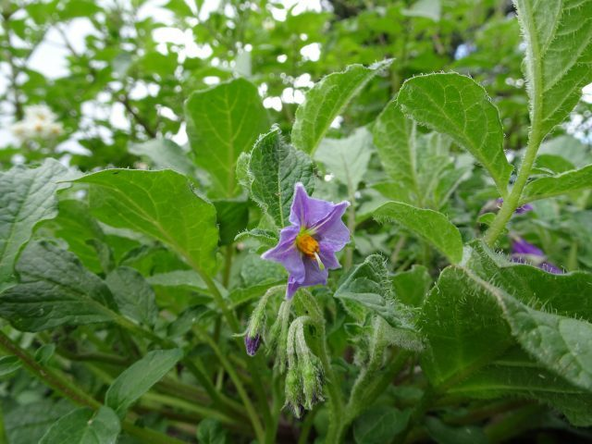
(9, 364)
(210, 431)
(558, 57)
(133, 295)
(26, 424)
(347, 159)
(431, 9)
(368, 285)
(161, 204)
(84, 426)
(459, 107)
(412, 286)
(233, 217)
(27, 196)
(464, 329)
(394, 137)
(445, 434)
(139, 378)
(380, 424)
(326, 100)
(55, 289)
(545, 187)
(430, 225)
(164, 153)
(274, 168)
(178, 278)
(81, 231)
(223, 122)
(515, 374)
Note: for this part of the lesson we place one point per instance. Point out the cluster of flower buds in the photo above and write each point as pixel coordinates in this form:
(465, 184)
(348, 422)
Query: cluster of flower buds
(39, 123)
(256, 326)
(304, 380)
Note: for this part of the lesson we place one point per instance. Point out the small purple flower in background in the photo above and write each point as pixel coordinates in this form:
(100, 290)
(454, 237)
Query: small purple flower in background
(252, 344)
(520, 210)
(307, 247)
(524, 252)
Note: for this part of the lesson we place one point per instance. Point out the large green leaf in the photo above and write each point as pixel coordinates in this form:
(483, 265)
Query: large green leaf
(274, 167)
(515, 374)
(84, 426)
(27, 423)
(55, 289)
(563, 183)
(347, 159)
(161, 204)
(27, 196)
(464, 329)
(139, 378)
(380, 424)
(394, 137)
(429, 225)
(558, 64)
(133, 295)
(326, 100)
(223, 122)
(164, 153)
(459, 107)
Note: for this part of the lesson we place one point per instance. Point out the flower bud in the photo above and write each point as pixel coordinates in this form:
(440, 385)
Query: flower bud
(252, 344)
(293, 391)
(311, 382)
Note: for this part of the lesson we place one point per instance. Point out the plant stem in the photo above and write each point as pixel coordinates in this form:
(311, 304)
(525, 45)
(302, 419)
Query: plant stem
(227, 265)
(253, 416)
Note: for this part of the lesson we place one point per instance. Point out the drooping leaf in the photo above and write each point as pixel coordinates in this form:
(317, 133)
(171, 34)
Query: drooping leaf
(27, 196)
(558, 61)
(326, 100)
(380, 424)
(55, 289)
(431, 9)
(567, 182)
(133, 295)
(429, 225)
(161, 204)
(368, 286)
(394, 137)
(139, 378)
(459, 107)
(164, 153)
(84, 426)
(223, 122)
(274, 168)
(347, 159)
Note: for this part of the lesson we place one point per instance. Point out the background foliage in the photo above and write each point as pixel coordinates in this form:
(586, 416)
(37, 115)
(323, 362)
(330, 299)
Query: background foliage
(138, 189)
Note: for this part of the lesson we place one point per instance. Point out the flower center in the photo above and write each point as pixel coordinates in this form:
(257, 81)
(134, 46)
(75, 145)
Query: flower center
(307, 244)
(310, 247)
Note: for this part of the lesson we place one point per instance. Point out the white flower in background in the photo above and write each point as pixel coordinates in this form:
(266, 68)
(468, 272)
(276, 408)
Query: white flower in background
(39, 123)
(39, 112)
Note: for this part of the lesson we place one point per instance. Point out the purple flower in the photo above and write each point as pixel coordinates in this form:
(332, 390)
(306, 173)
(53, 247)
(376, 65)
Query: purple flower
(520, 210)
(524, 252)
(252, 344)
(307, 247)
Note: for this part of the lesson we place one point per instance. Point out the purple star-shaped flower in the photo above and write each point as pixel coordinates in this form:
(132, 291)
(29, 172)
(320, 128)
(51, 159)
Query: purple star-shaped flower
(525, 252)
(307, 247)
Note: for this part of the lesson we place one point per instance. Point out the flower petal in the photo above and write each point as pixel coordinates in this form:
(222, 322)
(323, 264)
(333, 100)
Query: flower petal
(313, 275)
(327, 255)
(305, 210)
(331, 228)
(520, 246)
(286, 253)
